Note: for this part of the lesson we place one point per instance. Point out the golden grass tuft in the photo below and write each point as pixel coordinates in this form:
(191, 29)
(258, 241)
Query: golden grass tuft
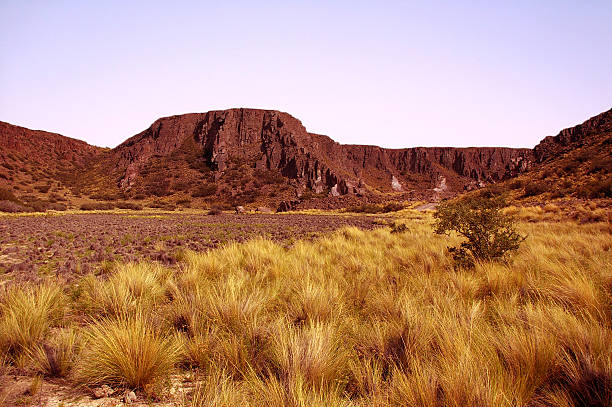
(127, 352)
(26, 315)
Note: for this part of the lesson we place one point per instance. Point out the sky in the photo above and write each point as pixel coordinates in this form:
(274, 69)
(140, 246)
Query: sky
(389, 73)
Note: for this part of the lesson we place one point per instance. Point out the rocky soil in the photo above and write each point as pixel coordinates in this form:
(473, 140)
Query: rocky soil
(72, 244)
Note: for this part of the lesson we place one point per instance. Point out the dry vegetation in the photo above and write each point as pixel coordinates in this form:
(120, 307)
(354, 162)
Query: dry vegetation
(356, 318)
(70, 244)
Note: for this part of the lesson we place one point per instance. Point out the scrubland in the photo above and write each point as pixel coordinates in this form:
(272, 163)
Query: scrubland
(353, 318)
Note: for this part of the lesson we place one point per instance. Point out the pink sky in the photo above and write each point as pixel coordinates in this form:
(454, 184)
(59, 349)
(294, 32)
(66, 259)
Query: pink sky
(395, 74)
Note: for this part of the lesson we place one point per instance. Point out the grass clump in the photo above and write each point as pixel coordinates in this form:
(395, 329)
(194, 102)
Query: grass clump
(132, 287)
(26, 316)
(55, 356)
(128, 352)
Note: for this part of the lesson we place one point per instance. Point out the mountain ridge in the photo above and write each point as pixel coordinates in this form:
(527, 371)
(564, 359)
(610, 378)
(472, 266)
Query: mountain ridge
(243, 156)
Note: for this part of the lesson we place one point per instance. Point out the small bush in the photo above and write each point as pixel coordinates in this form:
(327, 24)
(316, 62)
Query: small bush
(601, 164)
(597, 189)
(268, 176)
(56, 206)
(129, 205)
(535, 188)
(13, 207)
(103, 197)
(374, 208)
(42, 188)
(490, 233)
(7, 195)
(204, 190)
(399, 228)
(184, 202)
(157, 204)
(97, 206)
(38, 205)
(392, 207)
(516, 184)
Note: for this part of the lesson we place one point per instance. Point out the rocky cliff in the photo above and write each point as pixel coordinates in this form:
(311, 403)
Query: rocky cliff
(241, 156)
(272, 140)
(575, 137)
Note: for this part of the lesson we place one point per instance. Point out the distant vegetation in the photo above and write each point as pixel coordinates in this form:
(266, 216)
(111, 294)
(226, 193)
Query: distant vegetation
(376, 208)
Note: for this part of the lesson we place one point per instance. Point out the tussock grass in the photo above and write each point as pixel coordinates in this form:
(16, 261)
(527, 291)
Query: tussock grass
(26, 316)
(56, 355)
(128, 352)
(132, 288)
(358, 318)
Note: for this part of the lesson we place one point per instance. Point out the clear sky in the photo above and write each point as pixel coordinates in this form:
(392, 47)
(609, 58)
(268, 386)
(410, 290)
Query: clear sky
(390, 73)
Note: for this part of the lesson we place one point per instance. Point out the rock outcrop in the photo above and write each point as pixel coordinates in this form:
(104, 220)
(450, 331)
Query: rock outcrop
(248, 156)
(575, 137)
(273, 140)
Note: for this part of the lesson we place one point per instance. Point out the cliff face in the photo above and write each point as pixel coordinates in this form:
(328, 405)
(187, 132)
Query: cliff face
(584, 134)
(276, 141)
(244, 155)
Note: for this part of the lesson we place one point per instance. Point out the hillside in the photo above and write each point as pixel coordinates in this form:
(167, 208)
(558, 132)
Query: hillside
(574, 164)
(40, 167)
(263, 157)
(242, 156)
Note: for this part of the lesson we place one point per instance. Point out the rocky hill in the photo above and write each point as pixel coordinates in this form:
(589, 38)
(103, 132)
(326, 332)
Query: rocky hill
(263, 157)
(261, 145)
(576, 163)
(38, 165)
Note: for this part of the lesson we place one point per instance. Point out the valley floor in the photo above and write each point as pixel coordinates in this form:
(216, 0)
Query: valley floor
(352, 317)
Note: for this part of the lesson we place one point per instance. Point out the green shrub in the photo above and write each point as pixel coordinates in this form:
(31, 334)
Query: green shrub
(490, 233)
